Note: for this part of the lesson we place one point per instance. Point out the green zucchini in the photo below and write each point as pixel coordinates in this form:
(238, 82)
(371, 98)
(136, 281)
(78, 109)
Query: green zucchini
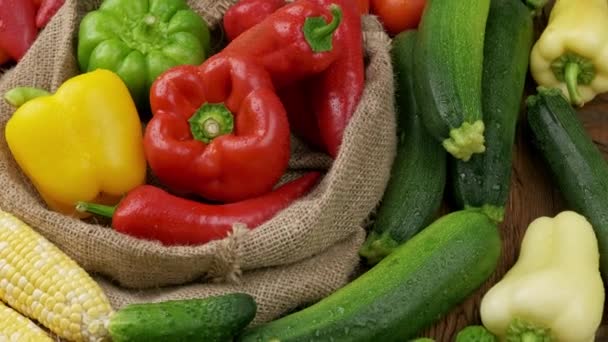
(448, 67)
(415, 190)
(217, 318)
(484, 180)
(577, 165)
(406, 292)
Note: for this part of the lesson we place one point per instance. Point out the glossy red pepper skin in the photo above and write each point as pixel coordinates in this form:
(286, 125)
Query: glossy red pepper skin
(150, 213)
(301, 113)
(247, 13)
(4, 57)
(278, 43)
(17, 27)
(232, 167)
(337, 91)
(47, 10)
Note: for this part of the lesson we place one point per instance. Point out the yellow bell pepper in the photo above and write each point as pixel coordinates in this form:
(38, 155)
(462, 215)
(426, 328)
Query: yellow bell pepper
(554, 292)
(84, 143)
(572, 52)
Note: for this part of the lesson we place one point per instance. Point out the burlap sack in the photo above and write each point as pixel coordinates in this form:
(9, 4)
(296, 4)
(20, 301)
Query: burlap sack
(301, 255)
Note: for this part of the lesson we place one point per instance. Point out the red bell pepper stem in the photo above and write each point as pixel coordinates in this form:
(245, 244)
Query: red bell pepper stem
(46, 12)
(247, 13)
(150, 213)
(211, 121)
(18, 27)
(280, 43)
(319, 34)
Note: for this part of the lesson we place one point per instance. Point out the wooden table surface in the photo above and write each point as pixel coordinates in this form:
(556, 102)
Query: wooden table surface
(533, 194)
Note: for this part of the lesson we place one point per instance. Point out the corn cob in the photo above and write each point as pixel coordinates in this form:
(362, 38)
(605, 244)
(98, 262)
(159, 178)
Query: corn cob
(16, 328)
(43, 283)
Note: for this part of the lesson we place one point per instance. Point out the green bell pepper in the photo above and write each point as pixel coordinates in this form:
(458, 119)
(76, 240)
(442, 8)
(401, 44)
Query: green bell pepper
(140, 39)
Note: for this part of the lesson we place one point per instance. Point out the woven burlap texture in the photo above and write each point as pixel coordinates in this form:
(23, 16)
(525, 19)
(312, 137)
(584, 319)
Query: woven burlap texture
(301, 255)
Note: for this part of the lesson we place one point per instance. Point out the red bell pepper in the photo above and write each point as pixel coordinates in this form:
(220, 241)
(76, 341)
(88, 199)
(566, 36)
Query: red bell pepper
(337, 91)
(301, 113)
(17, 27)
(150, 213)
(247, 13)
(294, 42)
(218, 130)
(363, 6)
(244, 15)
(4, 57)
(48, 9)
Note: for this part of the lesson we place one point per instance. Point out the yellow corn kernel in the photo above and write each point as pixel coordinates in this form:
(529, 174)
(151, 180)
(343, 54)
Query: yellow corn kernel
(65, 299)
(16, 328)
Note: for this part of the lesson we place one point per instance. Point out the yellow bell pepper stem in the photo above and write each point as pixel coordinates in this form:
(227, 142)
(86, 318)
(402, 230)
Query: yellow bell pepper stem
(572, 52)
(523, 331)
(573, 71)
(554, 292)
(19, 96)
(82, 143)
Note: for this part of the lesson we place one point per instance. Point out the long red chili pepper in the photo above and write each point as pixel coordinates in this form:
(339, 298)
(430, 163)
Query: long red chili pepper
(247, 13)
(150, 213)
(294, 42)
(17, 27)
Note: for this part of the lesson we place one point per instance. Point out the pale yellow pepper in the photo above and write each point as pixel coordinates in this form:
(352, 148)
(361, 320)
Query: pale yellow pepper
(84, 143)
(572, 52)
(554, 292)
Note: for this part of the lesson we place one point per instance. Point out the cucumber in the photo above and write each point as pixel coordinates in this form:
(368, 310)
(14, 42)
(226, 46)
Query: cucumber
(217, 318)
(484, 180)
(415, 190)
(576, 164)
(448, 67)
(403, 294)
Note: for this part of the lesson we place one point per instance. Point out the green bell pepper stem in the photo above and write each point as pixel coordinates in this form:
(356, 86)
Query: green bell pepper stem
(211, 121)
(17, 97)
(318, 33)
(150, 20)
(97, 209)
(571, 72)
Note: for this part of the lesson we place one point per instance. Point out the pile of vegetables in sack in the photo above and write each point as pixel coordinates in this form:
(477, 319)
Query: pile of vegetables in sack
(205, 170)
